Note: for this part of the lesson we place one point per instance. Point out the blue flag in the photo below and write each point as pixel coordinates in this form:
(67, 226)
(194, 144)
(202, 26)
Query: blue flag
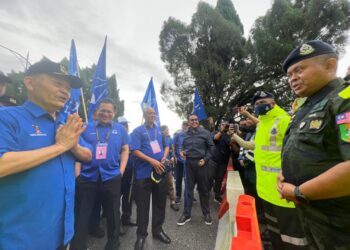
(198, 107)
(72, 105)
(150, 100)
(99, 86)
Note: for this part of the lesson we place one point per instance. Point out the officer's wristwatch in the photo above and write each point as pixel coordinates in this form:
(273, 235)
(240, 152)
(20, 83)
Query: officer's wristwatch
(300, 197)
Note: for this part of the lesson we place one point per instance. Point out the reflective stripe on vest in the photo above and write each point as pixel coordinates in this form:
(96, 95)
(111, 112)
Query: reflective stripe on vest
(273, 139)
(270, 169)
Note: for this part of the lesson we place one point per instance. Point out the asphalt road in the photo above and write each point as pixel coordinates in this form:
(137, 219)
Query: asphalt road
(194, 235)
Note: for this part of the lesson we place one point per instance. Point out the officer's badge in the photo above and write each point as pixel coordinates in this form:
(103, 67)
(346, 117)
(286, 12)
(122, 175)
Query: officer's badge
(273, 131)
(306, 49)
(345, 132)
(302, 124)
(315, 124)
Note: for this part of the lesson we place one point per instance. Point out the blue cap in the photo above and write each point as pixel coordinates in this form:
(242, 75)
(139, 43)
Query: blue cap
(307, 50)
(261, 95)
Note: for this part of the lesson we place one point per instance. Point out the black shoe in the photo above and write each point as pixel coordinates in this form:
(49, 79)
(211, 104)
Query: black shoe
(121, 230)
(183, 220)
(161, 236)
(129, 223)
(97, 232)
(174, 207)
(112, 245)
(207, 219)
(139, 243)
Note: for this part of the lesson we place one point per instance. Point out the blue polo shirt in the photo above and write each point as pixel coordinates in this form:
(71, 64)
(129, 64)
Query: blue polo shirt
(37, 205)
(178, 140)
(115, 136)
(140, 140)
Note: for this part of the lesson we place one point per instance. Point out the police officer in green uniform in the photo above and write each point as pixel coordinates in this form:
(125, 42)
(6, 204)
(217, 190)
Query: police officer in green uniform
(316, 151)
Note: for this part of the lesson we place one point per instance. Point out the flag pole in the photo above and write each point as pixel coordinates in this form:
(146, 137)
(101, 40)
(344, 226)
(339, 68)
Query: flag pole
(82, 98)
(84, 106)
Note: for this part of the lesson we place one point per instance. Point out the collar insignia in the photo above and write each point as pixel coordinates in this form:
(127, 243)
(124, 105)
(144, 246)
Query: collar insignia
(315, 124)
(302, 124)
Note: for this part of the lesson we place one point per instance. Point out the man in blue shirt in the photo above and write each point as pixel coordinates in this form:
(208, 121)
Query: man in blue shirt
(37, 155)
(147, 146)
(103, 174)
(179, 170)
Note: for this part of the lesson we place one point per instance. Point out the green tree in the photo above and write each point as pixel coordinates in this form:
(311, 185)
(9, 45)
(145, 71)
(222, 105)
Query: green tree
(212, 54)
(286, 25)
(18, 90)
(208, 53)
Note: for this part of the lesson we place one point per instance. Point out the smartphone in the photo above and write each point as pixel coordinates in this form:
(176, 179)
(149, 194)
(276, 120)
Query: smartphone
(235, 127)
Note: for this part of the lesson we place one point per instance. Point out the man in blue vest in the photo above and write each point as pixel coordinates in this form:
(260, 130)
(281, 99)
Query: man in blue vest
(147, 147)
(37, 155)
(102, 175)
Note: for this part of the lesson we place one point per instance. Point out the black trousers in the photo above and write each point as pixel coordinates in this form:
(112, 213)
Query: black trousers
(200, 175)
(125, 192)
(284, 227)
(95, 217)
(220, 172)
(143, 190)
(85, 200)
(179, 174)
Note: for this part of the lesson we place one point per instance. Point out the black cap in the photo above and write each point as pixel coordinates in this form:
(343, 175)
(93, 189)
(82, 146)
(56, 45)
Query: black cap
(8, 101)
(4, 79)
(307, 50)
(49, 67)
(159, 177)
(261, 95)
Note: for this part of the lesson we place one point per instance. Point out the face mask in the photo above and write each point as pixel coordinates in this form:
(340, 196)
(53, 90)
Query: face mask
(262, 109)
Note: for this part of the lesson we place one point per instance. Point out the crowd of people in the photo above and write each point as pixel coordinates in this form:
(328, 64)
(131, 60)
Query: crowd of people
(59, 178)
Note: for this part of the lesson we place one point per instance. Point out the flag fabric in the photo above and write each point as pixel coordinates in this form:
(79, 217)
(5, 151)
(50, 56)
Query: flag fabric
(72, 105)
(99, 86)
(150, 100)
(198, 107)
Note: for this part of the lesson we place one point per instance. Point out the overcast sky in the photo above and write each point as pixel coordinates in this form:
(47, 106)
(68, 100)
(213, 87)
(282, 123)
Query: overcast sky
(46, 28)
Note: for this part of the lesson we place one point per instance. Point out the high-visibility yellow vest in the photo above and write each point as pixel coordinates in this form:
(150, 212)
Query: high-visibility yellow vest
(267, 154)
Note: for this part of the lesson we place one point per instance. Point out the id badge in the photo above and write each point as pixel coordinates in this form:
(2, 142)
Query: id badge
(101, 151)
(155, 147)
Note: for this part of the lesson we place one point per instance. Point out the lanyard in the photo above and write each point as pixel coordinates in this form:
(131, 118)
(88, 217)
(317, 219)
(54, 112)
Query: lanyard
(107, 136)
(155, 133)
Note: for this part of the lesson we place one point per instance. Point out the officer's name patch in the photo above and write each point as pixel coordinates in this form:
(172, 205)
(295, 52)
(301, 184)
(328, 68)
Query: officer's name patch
(343, 118)
(315, 124)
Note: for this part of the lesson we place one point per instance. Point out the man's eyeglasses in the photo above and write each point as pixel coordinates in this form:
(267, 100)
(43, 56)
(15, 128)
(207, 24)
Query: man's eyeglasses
(193, 120)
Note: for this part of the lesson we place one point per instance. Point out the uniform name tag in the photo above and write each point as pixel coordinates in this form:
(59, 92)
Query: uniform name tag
(155, 147)
(101, 151)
